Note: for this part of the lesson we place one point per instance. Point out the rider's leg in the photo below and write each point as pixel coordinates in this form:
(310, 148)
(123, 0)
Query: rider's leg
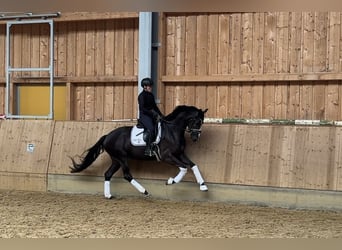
(148, 140)
(148, 134)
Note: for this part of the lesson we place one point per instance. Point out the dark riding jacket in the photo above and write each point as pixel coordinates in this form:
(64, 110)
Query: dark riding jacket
(148, 110)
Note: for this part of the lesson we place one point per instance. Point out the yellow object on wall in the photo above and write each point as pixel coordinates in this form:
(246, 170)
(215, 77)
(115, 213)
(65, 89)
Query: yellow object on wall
(35, 100)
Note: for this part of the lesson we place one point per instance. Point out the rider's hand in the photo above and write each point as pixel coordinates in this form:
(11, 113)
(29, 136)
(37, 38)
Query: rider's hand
(160, 118)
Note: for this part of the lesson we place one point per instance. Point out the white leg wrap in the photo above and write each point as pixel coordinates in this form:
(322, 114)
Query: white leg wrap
(136, 184)
(179, 176)
(197, 174)
(107, 189)
(170, 181)
(199, 178)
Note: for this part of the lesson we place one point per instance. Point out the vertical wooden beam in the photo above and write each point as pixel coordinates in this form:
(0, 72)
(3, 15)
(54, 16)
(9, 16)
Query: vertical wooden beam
(201, 58)
(246, 63)
(320, 42)
(61, 46)
(129, 103)
(119, 68)
(308, 44)
(99, 70)
(190, 55)
(180, 41)
(80, 70)
(293, 103)
(295, 42)
(35, 57)
(2, 66)
(109, 57)
(222, 64)
(334, 44)
(270, 38)
(69, 98)
(234, 63)
(71, 49)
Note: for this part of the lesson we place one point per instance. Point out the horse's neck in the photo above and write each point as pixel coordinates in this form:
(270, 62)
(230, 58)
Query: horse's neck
(176, 127)
(180, 121)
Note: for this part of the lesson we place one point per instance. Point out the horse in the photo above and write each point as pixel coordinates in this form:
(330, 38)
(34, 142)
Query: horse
(171, 149)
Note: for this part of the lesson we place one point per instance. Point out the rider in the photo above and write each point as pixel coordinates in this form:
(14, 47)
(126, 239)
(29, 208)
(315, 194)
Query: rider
(148, 113)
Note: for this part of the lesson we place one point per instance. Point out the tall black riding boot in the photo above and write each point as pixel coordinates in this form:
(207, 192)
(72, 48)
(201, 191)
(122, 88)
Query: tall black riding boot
(148, 140)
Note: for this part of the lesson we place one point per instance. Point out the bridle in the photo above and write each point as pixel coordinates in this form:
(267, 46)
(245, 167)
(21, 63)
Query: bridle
(190, 126)
(190, 129)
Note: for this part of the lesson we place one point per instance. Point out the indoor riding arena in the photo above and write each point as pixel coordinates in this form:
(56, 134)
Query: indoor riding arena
(270, 150)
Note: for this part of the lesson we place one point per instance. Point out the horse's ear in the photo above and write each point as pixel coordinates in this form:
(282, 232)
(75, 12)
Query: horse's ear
(204, 111)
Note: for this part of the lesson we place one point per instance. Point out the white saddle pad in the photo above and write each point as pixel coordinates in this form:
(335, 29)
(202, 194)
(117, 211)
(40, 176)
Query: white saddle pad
(137, 136)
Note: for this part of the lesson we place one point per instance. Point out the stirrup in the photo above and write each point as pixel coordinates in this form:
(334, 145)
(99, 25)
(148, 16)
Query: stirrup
(148, 153)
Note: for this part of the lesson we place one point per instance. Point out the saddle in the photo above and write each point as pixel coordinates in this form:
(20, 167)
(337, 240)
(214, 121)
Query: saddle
(137, 135)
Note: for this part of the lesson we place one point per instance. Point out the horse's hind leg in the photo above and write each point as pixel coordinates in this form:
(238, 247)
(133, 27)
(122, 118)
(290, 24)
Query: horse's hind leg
(108, 175)
(130, 179)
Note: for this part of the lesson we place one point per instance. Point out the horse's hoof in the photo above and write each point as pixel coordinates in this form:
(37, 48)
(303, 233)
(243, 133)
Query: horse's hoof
(108, 196)
(170, 181)
(203, 188)
(147, 195)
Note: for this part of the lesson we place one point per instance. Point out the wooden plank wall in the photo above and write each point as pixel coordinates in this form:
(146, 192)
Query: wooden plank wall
(72, 139)
(108, 48)
(2, 68)
(20, 168)
(276, 65)
(278, 156)
(302, 157)
(96, 60)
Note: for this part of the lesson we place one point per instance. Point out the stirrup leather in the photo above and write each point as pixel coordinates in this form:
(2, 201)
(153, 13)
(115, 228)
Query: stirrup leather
(156, 151)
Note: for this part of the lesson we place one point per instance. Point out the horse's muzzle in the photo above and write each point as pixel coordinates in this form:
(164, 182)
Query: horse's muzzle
(195, 135)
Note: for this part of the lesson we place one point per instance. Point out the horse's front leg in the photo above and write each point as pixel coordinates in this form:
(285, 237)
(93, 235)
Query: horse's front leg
(199, 178)
(183, 160)
(196, 171)
(178, 177)
(173, 160)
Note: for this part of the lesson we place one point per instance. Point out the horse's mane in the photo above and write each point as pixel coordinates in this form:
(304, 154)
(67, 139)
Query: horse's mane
(179, 109)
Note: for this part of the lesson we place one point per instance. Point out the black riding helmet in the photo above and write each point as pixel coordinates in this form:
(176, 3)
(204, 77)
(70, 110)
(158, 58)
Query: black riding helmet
(146, 82)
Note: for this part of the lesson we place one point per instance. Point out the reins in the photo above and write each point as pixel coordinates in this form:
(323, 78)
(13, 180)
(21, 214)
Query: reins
(187, 129)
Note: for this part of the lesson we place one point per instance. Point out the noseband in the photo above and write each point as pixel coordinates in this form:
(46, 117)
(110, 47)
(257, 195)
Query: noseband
(191, 129)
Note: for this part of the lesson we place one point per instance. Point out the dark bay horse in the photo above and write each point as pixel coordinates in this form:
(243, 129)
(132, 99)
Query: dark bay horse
(171, 147)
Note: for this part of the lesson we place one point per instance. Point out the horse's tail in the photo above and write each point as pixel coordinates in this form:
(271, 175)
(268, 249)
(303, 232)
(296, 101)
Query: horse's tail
(89, 158)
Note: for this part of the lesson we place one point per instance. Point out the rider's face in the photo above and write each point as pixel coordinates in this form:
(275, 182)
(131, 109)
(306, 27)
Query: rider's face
(148, 88)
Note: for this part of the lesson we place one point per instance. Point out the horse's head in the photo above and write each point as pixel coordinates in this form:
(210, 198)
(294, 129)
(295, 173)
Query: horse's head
(194, 124)
(189, 118)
